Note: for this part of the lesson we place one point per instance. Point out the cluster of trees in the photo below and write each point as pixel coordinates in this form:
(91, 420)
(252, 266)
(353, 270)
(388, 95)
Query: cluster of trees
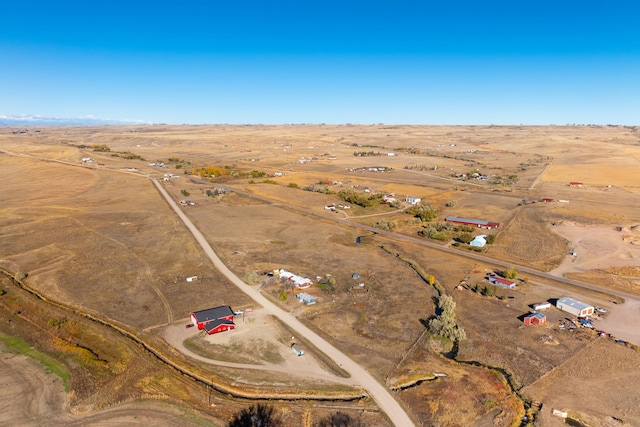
(262, 415)
(209, 171)
(410, 150)
(189, 168)
(444, 324)
(510, 273)
(385, 224)
(366, 153)
(426, 213)
(127, 155)
(315, 188)
(504, 180)
(365, 200)
(436, 230)
(421, 167)
(487, 290)
(101, 148)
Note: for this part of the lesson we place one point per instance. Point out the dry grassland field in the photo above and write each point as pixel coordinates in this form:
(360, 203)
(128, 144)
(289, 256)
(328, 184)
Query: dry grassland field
(95, 264)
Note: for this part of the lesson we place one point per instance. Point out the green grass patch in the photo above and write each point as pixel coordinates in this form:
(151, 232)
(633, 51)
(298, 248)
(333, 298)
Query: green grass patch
(18, 346)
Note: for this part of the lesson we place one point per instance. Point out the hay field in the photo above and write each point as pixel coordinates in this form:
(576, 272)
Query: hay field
(101, 239)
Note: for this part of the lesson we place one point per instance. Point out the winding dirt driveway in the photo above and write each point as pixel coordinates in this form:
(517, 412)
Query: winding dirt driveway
(175, 336)
(359, 375)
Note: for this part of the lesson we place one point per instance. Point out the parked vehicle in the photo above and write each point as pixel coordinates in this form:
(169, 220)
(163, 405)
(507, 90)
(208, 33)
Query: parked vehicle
(295, 350)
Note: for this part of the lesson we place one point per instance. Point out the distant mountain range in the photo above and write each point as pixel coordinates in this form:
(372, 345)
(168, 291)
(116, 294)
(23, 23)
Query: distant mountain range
(29, 120)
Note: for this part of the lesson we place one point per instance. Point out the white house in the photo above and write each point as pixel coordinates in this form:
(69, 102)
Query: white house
(299, 282)
(413, 200)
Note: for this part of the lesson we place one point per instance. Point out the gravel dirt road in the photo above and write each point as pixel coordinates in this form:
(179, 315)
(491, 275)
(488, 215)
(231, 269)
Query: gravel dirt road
(359, 376)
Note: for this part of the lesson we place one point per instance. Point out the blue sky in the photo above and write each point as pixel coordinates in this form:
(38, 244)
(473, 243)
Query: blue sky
(214, 61)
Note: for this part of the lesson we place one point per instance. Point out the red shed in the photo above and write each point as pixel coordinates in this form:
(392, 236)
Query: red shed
(535, 319)
(219, 326)
(221, 319)
(500, 281)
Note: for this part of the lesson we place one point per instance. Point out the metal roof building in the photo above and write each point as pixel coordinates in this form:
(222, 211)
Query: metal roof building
(574, 307)
(474, 222)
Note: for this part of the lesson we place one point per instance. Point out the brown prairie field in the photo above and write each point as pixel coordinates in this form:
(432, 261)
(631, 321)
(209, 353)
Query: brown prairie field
(96, 238)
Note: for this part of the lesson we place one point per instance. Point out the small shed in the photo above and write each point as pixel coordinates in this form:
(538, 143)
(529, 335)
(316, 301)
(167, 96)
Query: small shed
(192, 278)
(535, 319)
(305, 298)
(539, 306)
(219, 326)
(502, 282)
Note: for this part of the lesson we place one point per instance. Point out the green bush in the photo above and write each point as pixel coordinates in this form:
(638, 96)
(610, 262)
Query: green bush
(424, 212)
(444, 324)
(510, 273)
(385, 224)
(466, 237)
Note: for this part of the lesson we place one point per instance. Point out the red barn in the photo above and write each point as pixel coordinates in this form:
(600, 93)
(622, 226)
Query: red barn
(535, 319)
(473, 222)
(214, 320)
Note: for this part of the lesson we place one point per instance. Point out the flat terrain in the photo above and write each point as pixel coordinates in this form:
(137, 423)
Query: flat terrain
(98, 237)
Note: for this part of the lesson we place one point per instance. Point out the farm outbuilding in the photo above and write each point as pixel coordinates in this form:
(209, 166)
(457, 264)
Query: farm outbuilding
(479, 241)
(574, 307)
(539, 306)
(502, 282)
(473, 222)
(535, 319)
(298, 281)
(219, 326)
(214, 320)
(305, 298)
